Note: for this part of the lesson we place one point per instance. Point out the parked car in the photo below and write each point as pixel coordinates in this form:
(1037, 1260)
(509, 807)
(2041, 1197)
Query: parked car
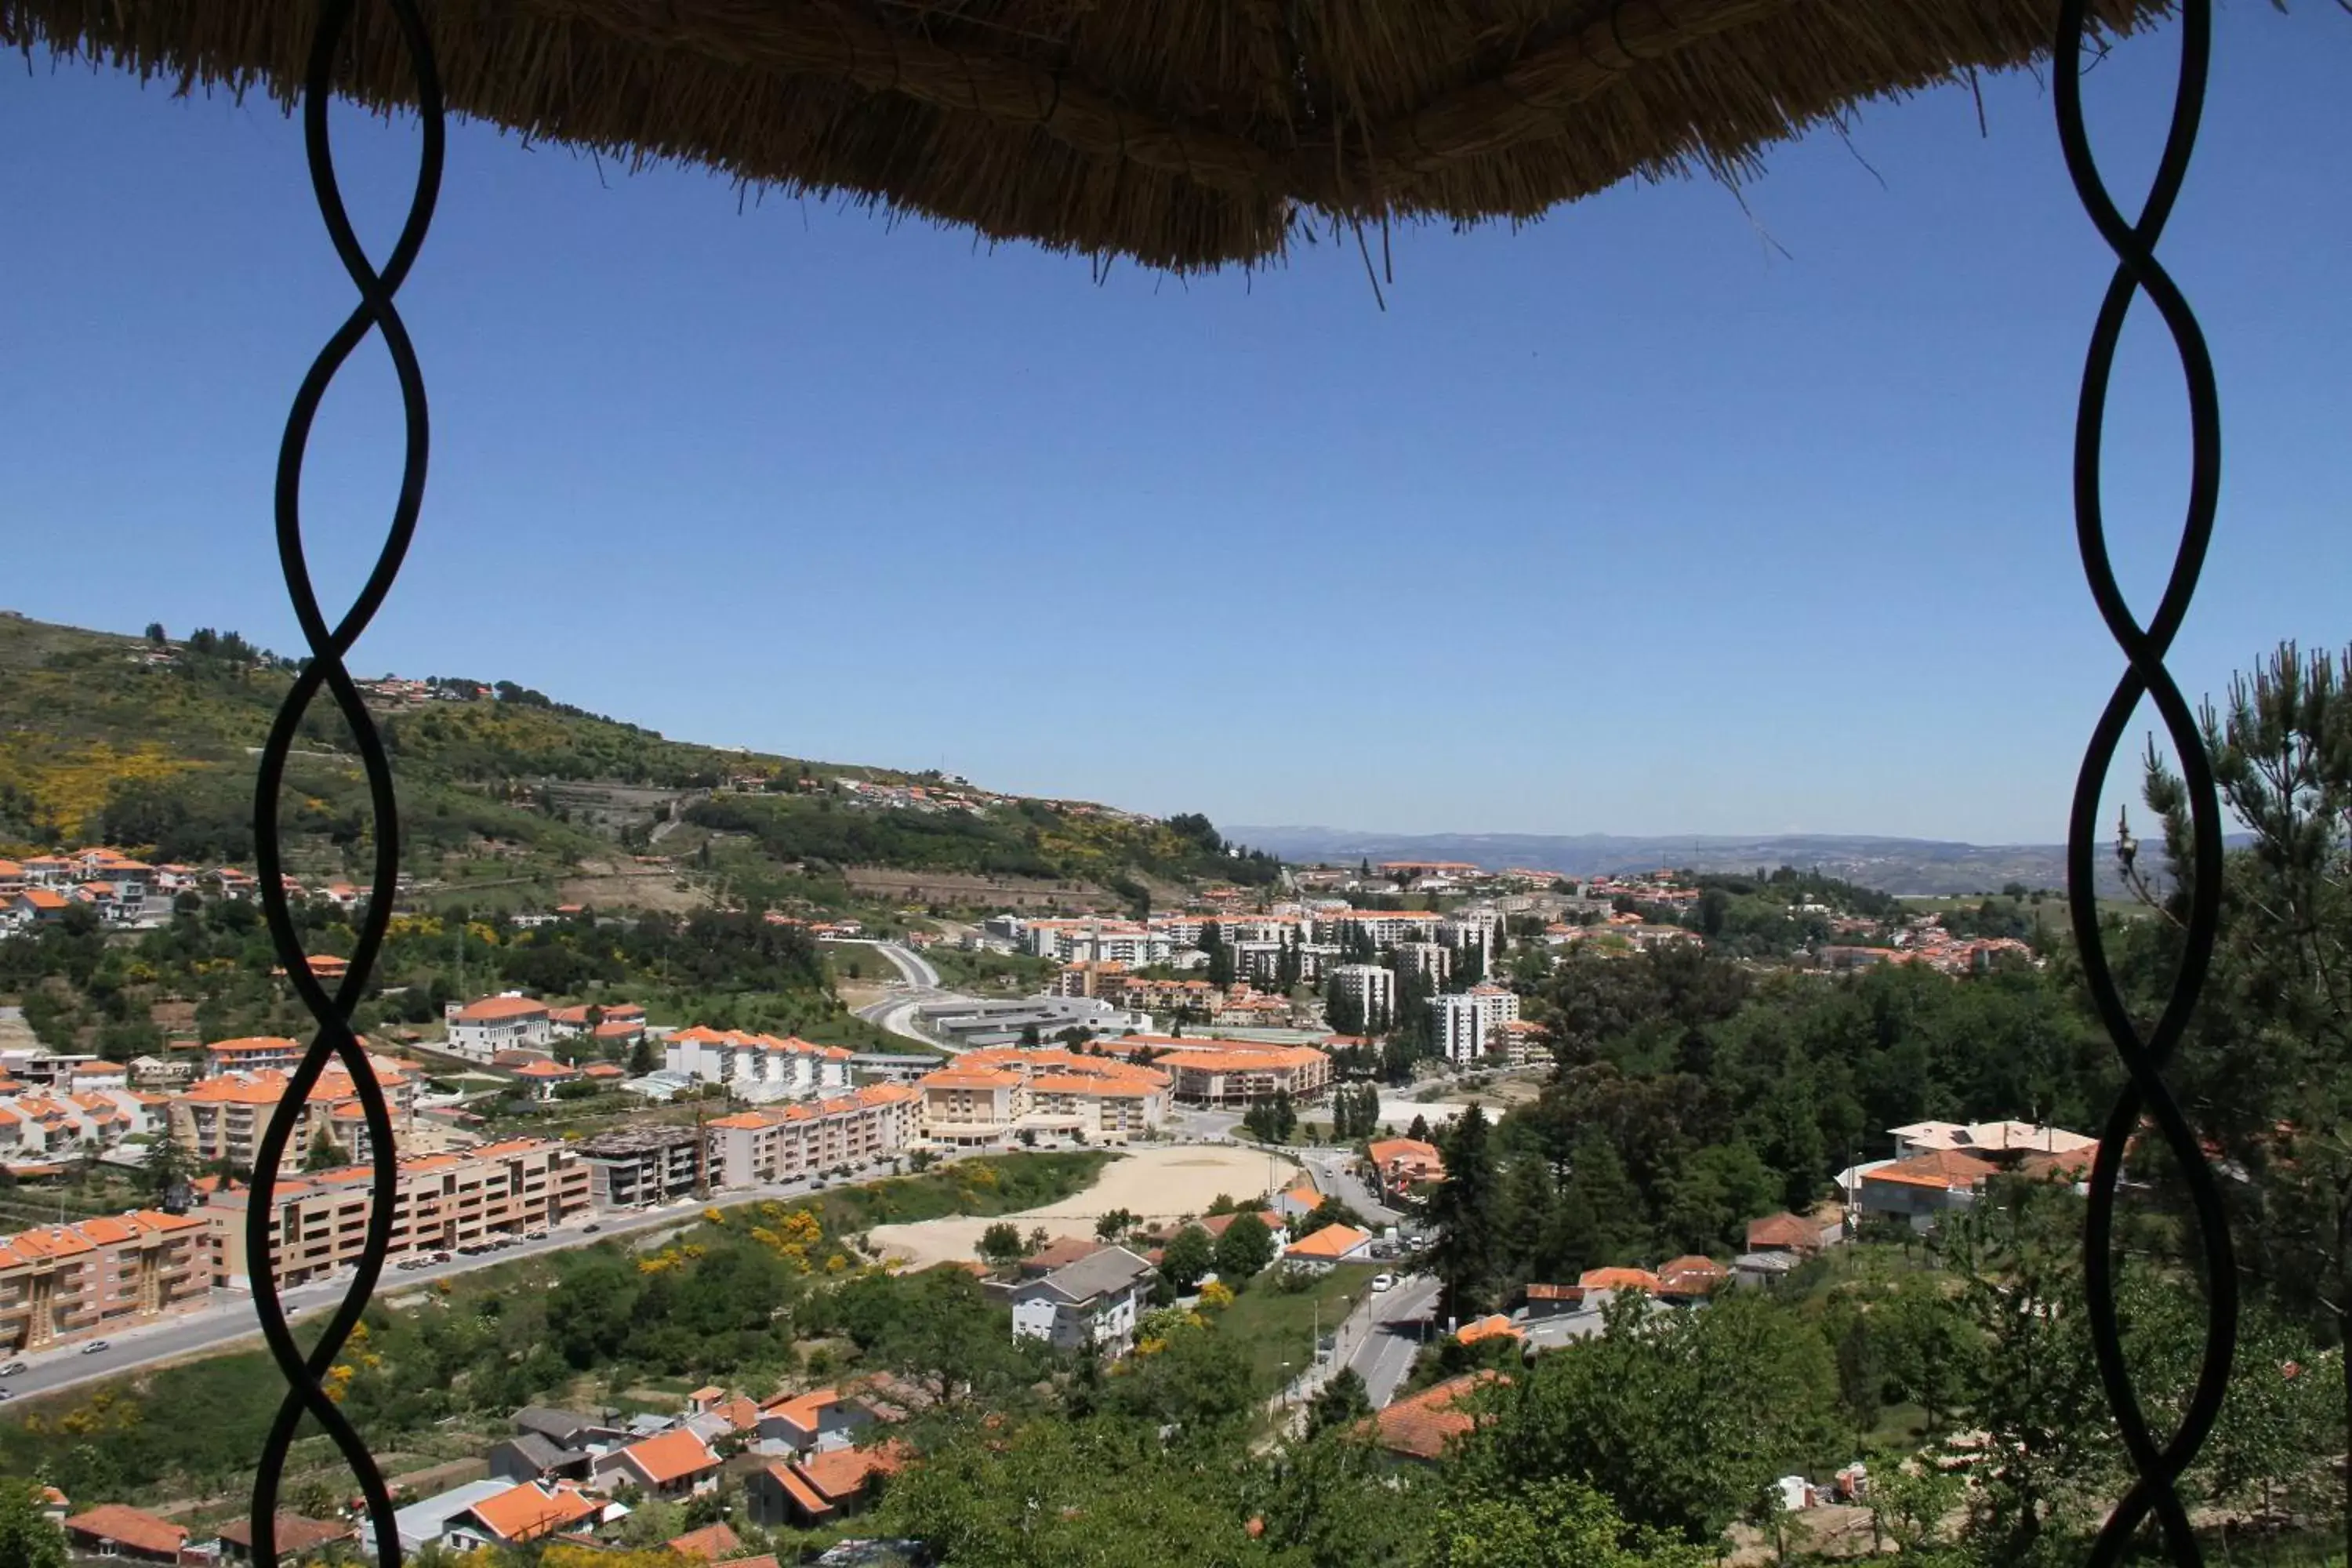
(1383, 1282)
(11, 1369)
(94, 1347)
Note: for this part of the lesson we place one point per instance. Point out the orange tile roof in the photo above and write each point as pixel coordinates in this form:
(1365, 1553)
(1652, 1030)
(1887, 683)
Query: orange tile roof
(543, 1068)
(788, 1477)
(43, 898)
(841, 1473)
(1948, 1170)
(711, 1543)
(1692, 1275)
(1423, 1425)
(1333, 1241)
(527, 1512)
(129, 1526)
(252, 1045)
(670, 1457)
(740, 1414)
(1619, 1279)
(1488, 1327)
(490, 1009)
(1783, 1232)
(804, 1410)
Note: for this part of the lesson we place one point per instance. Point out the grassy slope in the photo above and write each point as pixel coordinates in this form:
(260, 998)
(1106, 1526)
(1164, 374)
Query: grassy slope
(1278, 1325)
(82, 715)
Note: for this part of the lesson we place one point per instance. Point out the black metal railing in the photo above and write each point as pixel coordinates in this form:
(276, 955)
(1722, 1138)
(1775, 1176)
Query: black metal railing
(306, 1375)
(2138, 271)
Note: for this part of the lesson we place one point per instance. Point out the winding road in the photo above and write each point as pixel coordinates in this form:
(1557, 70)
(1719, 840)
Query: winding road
(896, 1012)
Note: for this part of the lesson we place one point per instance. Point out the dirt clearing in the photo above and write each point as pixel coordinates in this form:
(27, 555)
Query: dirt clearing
(1150, 1184)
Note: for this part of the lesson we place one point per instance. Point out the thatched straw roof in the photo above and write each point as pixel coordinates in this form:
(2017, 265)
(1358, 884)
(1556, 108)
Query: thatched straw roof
(1185, 133)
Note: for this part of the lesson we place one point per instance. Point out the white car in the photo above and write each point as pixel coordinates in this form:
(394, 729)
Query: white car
(1382, 1282)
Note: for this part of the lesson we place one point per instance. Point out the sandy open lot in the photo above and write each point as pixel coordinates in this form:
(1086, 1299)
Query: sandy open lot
(1150, 1184)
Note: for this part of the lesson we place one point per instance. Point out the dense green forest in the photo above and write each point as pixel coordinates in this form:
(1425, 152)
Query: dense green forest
(209, 971)
(1031, 838)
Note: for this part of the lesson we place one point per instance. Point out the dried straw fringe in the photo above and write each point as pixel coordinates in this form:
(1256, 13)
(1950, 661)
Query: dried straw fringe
(1183, 132)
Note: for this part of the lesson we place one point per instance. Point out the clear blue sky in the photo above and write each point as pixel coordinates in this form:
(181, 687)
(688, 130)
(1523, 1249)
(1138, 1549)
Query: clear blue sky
(1626, 522)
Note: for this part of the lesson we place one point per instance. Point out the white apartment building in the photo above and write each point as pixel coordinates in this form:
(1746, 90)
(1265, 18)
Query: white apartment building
(1385, 928)
(753, 1147)
(511, 1022)
(758, 1067)
(1371, 987)
(1471, 928)
(1097, 942)
(1469, 1024)
(1433, 961)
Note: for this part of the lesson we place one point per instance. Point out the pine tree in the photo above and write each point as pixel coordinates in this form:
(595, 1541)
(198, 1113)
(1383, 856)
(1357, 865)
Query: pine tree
(1221, 957)
(1597, 1184)
(1462, 1210)
(1526, 1215)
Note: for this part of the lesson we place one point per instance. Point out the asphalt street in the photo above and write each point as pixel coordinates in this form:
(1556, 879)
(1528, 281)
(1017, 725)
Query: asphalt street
(1400, 1321)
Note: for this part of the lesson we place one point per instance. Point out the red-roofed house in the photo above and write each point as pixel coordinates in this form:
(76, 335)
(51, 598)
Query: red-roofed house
(1402, 1165)
(823, 1487)
(481, 1029)
(1791, 1233)
(542, 1077)
(1602, 1286)
(711, 1543)
(1919, 1190)
(1334, 1244)
(675, 1465)
(113, 1530)
(1422, 1426)
(520, 1514)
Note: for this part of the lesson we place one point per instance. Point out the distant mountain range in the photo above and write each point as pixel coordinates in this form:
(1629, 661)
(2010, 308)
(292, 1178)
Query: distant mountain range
(1924, 867)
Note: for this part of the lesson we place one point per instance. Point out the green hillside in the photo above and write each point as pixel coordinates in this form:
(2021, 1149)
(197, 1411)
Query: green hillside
(151, 743)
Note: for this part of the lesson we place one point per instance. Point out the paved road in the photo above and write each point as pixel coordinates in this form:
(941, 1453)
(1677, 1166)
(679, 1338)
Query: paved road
(231, 1318)
(896, 1012)
(1401, 1317)
(1335, 1174)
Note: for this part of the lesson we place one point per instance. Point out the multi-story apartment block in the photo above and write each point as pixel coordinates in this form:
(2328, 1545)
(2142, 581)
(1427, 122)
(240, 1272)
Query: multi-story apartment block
(259, 1053)
(439, 1202)
(1382, 928)
(1372, 988)
(782, 1143)
(639, 1167)
(1207, 1071)
(1103, 942)
(504, 1023)
(986, 1097)
(757, 1068)
(1433, 961)
(1471, 928)
(69, 1282)
(1469, 1024)
(222, 1118)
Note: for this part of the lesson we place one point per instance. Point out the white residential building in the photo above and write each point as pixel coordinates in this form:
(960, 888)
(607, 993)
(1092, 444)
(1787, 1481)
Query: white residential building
(1372, 988)
(1433, 961)
(757, 1068)
(1469, 1024)
(511, 1022)
(1094, 1301)
(1097, 942)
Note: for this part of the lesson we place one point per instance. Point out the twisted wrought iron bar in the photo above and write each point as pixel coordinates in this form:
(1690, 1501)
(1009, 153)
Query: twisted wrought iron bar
(325, 668)
(2158, 1467)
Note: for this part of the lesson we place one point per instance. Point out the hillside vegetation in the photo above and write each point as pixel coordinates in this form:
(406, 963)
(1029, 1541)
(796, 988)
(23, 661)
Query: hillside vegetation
(150, 742)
